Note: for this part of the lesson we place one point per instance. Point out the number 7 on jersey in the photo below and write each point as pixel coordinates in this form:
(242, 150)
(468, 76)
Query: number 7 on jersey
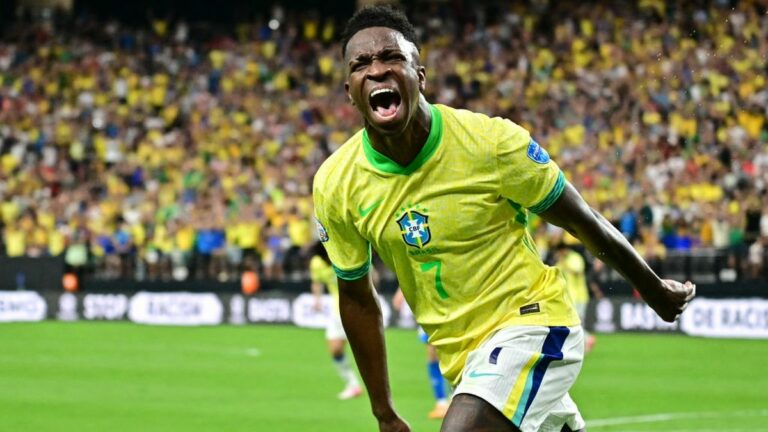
(427, 266)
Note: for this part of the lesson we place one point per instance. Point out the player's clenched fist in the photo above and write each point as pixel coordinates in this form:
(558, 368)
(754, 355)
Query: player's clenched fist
(395, 424)
(671, 300)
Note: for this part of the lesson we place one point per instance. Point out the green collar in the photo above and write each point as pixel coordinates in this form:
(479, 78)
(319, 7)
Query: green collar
(383, 163)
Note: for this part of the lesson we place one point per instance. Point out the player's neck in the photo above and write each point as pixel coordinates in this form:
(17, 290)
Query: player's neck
(403, 148)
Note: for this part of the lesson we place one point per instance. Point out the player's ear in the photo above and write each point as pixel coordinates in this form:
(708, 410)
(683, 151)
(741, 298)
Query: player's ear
(346, 89)
(422, 72)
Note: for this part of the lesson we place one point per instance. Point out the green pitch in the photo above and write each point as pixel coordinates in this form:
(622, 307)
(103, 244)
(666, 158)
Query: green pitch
(124, 377)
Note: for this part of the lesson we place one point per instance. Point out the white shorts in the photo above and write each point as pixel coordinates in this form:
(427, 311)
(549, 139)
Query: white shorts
(334, 330)
(526, 372)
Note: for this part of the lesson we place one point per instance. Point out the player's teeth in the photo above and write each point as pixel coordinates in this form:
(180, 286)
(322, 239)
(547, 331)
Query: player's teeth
(380, 91)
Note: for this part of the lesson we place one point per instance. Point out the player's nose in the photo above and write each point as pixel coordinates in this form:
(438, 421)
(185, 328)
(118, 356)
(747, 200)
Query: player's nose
(378, 70)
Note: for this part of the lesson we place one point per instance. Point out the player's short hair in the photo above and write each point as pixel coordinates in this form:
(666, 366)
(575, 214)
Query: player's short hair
(378, 16)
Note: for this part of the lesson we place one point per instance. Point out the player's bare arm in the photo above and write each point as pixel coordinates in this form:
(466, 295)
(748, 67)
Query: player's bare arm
(361, 316)
(667, 297)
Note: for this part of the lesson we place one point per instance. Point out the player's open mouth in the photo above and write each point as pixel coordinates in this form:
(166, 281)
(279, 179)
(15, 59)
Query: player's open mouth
(385, 102)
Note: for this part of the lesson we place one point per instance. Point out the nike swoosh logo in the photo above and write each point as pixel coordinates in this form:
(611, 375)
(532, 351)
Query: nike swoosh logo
(364, 211)
(476, 374)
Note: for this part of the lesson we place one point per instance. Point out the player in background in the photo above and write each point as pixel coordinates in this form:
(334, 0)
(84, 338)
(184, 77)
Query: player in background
(574, 267)
(436, 380)
(322, 274)
(441, 195)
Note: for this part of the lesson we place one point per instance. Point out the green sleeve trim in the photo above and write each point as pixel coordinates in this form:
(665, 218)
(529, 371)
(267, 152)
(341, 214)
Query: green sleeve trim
(354, 274)
(552, 196)
(385, 164)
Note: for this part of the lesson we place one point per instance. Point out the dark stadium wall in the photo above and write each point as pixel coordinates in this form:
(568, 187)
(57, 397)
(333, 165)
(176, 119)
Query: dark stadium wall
(136, 11)
(7, 13)
(38, 274)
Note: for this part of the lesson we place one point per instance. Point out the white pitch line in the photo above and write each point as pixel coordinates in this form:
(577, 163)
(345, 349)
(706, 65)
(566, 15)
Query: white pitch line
(690, 430)
(663, 417)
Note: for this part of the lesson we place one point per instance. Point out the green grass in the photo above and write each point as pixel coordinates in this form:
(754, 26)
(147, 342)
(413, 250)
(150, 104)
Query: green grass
(125, 377)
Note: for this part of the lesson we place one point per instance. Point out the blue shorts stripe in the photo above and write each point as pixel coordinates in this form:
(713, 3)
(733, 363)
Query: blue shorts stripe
(494, 358)
(551, 351)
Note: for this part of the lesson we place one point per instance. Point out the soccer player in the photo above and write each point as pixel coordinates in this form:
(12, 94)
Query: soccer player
(436, 379)
(441, 195)
(573, 267)
(322, 273)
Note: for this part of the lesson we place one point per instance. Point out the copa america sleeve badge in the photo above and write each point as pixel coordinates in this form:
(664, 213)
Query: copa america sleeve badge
(537, 153)
(322, 233)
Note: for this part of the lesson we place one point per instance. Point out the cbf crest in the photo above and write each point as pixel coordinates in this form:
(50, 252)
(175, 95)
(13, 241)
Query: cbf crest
(414, 226)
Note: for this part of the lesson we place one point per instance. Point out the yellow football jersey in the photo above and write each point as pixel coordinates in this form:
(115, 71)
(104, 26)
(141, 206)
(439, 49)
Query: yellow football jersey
(322, 272)
(573, 267)
(451, 225)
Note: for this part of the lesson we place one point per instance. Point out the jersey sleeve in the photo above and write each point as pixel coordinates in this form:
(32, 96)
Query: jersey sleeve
(528, 176)
(349, 252)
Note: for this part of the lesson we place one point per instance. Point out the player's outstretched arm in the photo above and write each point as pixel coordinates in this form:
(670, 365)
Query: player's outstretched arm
(361, 316)
(667, 297)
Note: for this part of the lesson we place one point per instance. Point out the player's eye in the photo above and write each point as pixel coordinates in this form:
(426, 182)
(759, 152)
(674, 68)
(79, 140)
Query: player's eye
(358, 66)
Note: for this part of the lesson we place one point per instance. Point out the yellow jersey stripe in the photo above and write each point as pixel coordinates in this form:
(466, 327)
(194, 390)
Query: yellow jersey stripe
(522, 386)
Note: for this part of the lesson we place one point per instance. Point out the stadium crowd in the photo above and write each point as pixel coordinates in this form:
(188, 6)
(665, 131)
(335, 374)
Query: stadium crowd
(177, 150)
